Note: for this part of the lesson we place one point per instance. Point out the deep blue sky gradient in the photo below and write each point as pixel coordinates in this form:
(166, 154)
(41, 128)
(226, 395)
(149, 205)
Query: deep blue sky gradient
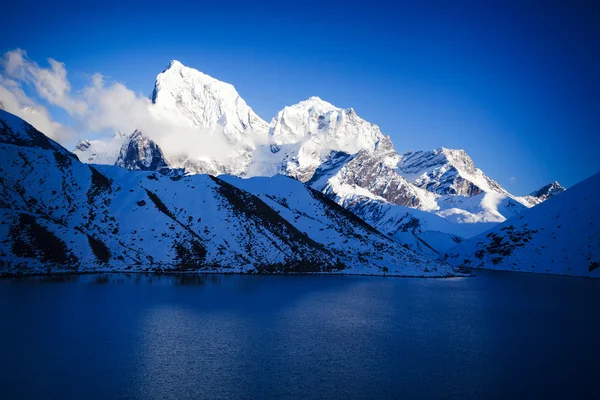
(514, 83)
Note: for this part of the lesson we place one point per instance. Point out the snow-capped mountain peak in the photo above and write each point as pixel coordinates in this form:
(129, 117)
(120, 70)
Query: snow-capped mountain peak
(550, 190)
(315, 103)
(446, 171)
(538, 196)
(207, 103)
(316, 119)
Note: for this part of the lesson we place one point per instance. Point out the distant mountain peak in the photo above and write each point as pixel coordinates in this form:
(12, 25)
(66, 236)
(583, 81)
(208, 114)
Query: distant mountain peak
(302, 136)
(446, 171)
(317, 117)
(547, 191)
(83, 145)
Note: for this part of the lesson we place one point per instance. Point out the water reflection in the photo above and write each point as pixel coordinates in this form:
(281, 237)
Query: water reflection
(144, 336)
(119, 278)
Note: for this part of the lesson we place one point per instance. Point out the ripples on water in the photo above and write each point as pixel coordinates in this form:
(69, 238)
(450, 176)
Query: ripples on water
(498, 335)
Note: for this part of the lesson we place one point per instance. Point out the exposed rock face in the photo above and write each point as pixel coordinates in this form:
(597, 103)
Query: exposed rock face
(538, 196)
(374, 173)
(139, 153)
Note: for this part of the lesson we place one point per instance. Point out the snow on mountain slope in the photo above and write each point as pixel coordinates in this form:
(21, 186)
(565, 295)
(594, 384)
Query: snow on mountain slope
(59, 215)
(558, 236)
(483, 207)
(424, 231)
(332, 148)
(100, 151)
(329, 224)
(302, 136)
(16, 132)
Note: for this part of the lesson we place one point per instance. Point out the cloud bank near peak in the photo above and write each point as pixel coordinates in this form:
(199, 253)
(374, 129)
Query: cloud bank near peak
(100, 106)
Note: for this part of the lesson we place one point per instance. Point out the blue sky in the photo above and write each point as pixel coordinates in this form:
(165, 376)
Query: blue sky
(514, 83)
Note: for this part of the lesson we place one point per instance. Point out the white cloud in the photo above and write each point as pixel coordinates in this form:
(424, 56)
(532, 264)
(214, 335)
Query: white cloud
(15, 101)
(513, 179)
(51, 84)
(98, 107)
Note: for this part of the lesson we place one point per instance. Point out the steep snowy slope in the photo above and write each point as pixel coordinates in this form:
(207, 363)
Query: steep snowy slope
(58, 214)
(483, 207)
(369, 185)
(559, 236)
(312, 212)
(424, 231)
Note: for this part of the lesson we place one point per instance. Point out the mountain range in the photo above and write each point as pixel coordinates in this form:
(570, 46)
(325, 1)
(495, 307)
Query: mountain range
(313, 160)
(331, 149)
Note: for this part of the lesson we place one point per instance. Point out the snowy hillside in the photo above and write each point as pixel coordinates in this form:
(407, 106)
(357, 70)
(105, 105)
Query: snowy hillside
(312, 212)
(59, 215)
(559, 236)
(483, 207)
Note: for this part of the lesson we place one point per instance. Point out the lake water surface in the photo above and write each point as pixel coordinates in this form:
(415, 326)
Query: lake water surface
(496, 335)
